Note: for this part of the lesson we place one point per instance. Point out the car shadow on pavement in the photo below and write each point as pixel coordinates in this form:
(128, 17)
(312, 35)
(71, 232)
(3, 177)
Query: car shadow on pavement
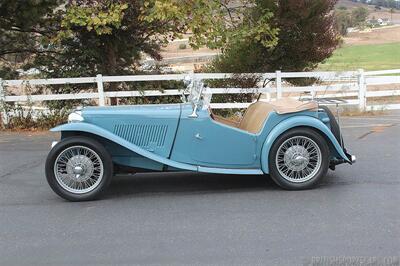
(186, 183)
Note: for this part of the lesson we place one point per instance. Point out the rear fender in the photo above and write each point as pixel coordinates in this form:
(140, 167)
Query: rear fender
(96, 130)
(298, 121)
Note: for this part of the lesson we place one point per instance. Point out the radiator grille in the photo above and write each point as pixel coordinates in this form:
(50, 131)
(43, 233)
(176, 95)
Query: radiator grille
(142, 135)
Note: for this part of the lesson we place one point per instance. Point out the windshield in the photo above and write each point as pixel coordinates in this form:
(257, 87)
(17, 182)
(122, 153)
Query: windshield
(195, 90)
(199, 95)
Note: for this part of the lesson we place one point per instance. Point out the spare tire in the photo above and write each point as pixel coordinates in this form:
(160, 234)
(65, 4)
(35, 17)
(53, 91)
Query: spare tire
(334, 125)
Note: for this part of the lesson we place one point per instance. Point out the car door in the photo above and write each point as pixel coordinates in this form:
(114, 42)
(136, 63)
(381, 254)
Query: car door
(205, 142)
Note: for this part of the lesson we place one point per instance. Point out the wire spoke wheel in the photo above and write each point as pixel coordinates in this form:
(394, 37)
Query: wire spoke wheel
(298, 159)
(78, 169)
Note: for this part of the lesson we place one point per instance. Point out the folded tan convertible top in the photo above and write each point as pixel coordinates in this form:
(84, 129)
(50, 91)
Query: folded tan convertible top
(288, 105)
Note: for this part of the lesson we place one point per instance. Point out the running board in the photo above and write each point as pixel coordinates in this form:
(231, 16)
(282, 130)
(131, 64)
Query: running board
(229, 171)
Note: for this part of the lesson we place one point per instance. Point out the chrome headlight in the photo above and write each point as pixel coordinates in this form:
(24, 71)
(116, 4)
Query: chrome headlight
(75, 116)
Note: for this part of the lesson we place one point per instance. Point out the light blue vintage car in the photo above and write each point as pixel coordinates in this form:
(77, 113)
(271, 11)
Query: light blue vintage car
(294, 142)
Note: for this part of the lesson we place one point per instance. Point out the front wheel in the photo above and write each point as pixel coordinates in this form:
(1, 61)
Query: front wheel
(299, 159)
(79, 169)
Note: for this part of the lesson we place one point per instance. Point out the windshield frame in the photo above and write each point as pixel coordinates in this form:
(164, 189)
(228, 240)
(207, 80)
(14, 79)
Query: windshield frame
(199, 95)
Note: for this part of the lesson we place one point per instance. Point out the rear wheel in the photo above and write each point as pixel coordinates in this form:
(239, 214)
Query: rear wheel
(79, 169)
(299, 159)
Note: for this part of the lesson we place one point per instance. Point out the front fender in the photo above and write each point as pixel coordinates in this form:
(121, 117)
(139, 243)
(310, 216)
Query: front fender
(297, 121)
(96, 130)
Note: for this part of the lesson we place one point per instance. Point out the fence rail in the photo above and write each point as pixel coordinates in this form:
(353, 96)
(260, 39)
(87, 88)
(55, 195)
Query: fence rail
(348, 84)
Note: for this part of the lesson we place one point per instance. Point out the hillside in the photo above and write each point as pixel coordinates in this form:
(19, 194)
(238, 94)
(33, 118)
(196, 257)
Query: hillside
(188, 59)
(373, 13)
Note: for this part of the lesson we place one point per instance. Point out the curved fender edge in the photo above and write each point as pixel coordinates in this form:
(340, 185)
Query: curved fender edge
(292, 122)
(96, 130)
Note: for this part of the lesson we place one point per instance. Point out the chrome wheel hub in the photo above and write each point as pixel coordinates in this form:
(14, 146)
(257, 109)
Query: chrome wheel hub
(298, 159)
(80, 166)
(78, 169)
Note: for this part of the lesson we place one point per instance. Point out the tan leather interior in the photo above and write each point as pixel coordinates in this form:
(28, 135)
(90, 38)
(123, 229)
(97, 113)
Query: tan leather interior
(256, 114)
(225, 121)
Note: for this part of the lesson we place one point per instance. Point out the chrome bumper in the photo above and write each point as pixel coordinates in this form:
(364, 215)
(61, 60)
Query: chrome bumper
(54, 143)
(353, 158)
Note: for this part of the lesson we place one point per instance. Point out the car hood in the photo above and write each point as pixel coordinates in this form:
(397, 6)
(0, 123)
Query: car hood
(151, 127)
(149, 110)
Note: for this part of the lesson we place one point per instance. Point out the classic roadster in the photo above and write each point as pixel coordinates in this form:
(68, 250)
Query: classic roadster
(294, 142)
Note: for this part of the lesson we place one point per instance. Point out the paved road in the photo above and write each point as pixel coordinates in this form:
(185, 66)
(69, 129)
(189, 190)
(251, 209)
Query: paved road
(196, 218)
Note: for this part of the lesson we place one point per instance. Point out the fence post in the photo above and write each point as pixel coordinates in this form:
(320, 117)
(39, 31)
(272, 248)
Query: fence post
(2, 94)
(3, 113)
(278, 84)
(100, 89)
(313, 93)
(362, 90)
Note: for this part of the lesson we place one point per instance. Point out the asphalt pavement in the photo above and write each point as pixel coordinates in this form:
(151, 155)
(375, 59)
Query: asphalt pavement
(191, 218)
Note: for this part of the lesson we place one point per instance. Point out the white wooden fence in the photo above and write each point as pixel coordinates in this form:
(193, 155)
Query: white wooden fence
(349, 85)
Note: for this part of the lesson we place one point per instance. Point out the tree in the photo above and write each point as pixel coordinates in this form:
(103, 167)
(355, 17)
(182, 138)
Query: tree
(23, 24)
(110, 37)
(306, 37)
(215, 23)
(103, 36)
(359, 16)
(391, 14)
(85, 37)
(343, 21)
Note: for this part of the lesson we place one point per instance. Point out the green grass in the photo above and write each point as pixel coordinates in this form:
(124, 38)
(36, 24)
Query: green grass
(367, 57)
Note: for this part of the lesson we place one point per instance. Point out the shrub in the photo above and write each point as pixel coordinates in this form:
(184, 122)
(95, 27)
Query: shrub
(26, 118)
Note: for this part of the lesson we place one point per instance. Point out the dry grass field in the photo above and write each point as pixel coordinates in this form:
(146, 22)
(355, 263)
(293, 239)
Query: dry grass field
(390, 34)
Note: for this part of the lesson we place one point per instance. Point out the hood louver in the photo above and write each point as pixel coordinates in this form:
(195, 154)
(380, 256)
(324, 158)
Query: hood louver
(142, 135)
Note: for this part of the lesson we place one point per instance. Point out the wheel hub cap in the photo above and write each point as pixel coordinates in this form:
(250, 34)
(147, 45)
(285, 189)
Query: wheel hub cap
(298, 159)
(78, 170)
(80, 166)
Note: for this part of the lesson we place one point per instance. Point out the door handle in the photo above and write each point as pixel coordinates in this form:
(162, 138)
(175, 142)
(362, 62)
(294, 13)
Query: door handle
(198, 136)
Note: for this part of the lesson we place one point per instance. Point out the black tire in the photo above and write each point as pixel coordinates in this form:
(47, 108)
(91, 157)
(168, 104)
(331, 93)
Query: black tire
(91, 144)
(316, 177)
